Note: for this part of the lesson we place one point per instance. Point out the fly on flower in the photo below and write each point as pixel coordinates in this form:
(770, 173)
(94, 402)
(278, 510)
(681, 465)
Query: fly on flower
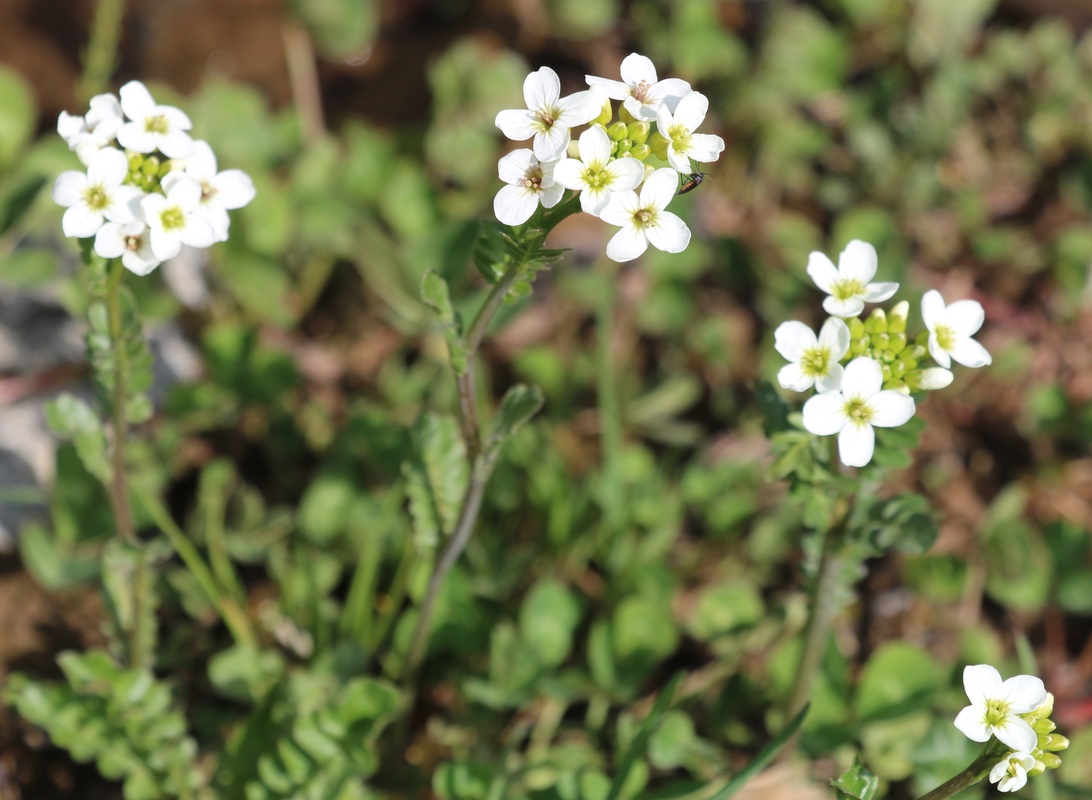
(692, 182)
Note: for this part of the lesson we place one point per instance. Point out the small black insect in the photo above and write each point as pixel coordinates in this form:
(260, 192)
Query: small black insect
(692, 182)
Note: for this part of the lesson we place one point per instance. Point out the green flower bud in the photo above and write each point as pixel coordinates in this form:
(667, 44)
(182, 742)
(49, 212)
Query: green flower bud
(135, 162)
(150, 167)
(880, 342)
(898, 369)
(876, 322)
(638, 131)
(887, 357)
(897, 341)
(617, 131)
(1044, 710)
(856, 328)
(624, 146)
(1050, 761)
(659, 145)
(640, 151)
(897, 385)
(885, 370)
(1055, 743)
(605, 115)
(922, 340)
(858, 347)
(1038, 769)
(625, 116)
(896, 320)
(1042, 726)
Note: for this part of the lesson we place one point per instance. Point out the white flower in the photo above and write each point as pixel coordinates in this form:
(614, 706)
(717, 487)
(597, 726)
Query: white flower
(131, 242)
(678, 128)
(530, 182)
(595, 175)
(548, 117)
(643, 219)
(98, 196)
(951, 328)
(153, 127)
(1011, 774)
(995, 707)
(220, 191)
(848, 285)
(174, 220)
(88, 134)
(853, 411)
(814, 361)
(640, 92)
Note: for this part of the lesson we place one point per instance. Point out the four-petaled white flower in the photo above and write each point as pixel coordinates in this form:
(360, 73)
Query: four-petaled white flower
(813, 360)
(1011, 773)
(548, 116)
(951, 328)
(130, 242)
(174, 220)
(678, 128)
(88, 134)
(96, 196)
(996, 707)
(220, 191)
(152, 127)
(853, 411)
(641, 94)
(595, 175)
(848, 285)
(530, 182)
(643, 219)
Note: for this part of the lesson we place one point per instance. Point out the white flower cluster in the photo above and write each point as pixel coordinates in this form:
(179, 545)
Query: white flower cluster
(873, 388)
(1017, 711)
(149, 188)
(657, 119)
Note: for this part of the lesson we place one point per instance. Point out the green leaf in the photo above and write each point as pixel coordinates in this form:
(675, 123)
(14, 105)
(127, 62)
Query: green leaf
(547, 620)
(898, 677)
(72, 418)
(906, 522)
(765, 756)
(128, 577)
(245, 673)
(341, 28)
(672, 741)
(436, 477)
(17, 198)
(434, 292)
(18, 116)
(50, 562)
(856, 783)
(638, 743)
(520, 403)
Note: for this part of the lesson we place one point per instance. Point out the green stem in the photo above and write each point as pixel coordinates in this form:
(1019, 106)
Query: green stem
(976, 772)
(102, 50)
(610, 417)
(118, 489)
(303, 76)
(230, 612)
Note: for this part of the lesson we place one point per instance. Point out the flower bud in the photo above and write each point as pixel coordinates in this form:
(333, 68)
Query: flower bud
(856, 328)
(1055, 743)
(876, 322)
(639, 131)
(1038, 769)
(617, 131)
(1042, 726)
(1050, 761)
(135, 162)
(625, 116)
(624, 146)
(605, 115)
(640, 151)
(897, 340)
(898, 369)
(881, 342)
(150, 167)
(659, 145)
(1045, 709)
(896, 319)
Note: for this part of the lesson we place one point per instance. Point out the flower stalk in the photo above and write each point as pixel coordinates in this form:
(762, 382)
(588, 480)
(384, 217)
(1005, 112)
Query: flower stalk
(118, 488)
(975, 773)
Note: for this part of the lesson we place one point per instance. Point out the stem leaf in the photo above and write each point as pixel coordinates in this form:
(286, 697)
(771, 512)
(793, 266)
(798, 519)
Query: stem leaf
(72, 418)
(436, 478)
(435, 293)
(856, 783)
(520, 403)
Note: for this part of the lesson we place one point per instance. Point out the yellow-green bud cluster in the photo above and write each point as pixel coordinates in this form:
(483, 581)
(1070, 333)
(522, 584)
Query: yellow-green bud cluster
(629, 137)
(147, 171)
(1049, 744)
(882, 337)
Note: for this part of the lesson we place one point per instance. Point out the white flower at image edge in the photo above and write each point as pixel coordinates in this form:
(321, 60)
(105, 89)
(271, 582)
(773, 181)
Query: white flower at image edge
(96, 196)
(813, 360)
(152, 127)
(996, 705)
(594, 175)
(548, 117)
(174, 221)
(848, 284)
(951, 328)
(678, 128)
(643, 219)
(530, 182)
(1011, 774)
(88, 134)
(852, 412)
(131, 242)
(220, 191)
(640, 92)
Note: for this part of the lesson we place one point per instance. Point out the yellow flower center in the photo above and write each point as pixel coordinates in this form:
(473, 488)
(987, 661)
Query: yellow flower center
(172, 218)
(96, 198)
(156, 124)
(847, 288)
(996, 712)
(816, 362)
(946, 337)
(858, 411)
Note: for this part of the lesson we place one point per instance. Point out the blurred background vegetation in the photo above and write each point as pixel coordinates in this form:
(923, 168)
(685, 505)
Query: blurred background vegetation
(630, 530)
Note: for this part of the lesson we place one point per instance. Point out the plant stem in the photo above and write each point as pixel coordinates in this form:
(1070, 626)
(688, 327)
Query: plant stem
(610, 423)
(300, 56)
(976, 772)
(102, 50)
(118, 488)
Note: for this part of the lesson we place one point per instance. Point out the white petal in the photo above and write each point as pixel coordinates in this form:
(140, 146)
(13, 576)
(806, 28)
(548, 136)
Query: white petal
(175, 144)
(669, 233)
(550, 145)
(124, 204)
(593, 201)
(1016, 733)
(878, 292)
(551, 195)
(132, 136)
(659, 188)
(621, 208)
(636, 68)
(580, 108)
(792, 339)
(642, 111)
(201, 163)
(936, 378)
(822, 270)
(514, 205)
(850, 307)
(858, 261)
(671, 91)
(594, 147)
(517, 124)
(834, 336)
(234, 188)
(68, 188)
(791, 376)
(1024, 693)
(625, 174)
(165, 244)
(691, 111)
(140, 263)
(832, 381)
(513, 167)
(541, 88)
(856, 444)
(197, 233)
(80, 221)
(863, 378)
(705, 147)
(972, 724)
(615, 90)
(981, 682)
(109, 242)
(69, 127)
(678, 161)
(627, 244)
(1013, 783)
(939, 354)
(1000, 770)
(569, 172)
(891, 408)
(109, 167)
(185, 193)
(932, 309)
(970, 353)
(824, 414)
(136, 101)
(965, 317)
(176, 119)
